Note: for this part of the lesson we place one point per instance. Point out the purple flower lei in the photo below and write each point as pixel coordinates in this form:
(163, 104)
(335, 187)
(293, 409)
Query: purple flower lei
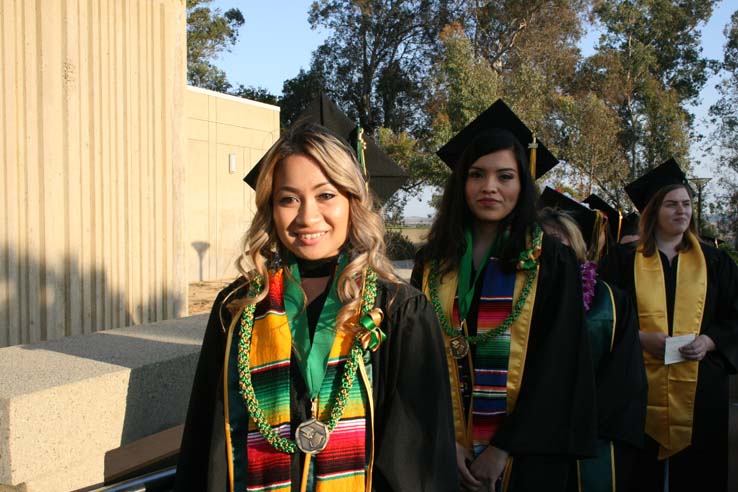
(588, 271)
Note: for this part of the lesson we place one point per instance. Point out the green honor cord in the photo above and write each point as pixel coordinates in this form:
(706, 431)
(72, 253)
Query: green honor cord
(312, 358)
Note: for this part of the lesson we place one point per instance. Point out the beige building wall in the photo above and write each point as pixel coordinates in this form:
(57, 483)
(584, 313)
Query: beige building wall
(226, 137)
(91, 190)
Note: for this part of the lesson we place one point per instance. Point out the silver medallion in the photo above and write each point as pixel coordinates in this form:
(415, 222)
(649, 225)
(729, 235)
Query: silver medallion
(458, 346)
(312, 436)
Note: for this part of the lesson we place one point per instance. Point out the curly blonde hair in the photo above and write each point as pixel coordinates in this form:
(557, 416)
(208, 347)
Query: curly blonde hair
(365, 240)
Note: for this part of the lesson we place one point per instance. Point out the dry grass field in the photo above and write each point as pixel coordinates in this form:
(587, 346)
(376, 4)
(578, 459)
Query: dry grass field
(417, 235)
(202, 294)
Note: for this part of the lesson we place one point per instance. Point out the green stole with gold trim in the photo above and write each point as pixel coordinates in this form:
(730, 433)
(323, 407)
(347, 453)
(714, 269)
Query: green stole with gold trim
(598, 474)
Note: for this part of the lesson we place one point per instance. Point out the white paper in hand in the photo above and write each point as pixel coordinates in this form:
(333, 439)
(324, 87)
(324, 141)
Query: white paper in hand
(671, 349)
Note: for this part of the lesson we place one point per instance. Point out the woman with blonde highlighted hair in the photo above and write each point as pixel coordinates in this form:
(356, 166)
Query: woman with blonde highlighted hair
(309, 378)
(686, 294)
(561, 226)
(617, 363)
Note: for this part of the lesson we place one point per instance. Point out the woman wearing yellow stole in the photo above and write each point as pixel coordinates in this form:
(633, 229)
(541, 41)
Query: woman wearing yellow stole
(686, 294)
(309, 377)
(509, 301)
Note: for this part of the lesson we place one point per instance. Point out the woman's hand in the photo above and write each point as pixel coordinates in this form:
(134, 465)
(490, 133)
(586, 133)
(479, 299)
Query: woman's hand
(468, 482)
(653, 343)
(697, 350)
(489, 466)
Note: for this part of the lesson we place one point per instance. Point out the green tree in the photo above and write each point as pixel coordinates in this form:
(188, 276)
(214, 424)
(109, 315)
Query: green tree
(724, 115)
(588, 142)
(255, 94)
(463, 84)
(376, 56)
(460, 87)
(209, 32)
(300, 90)
(647, 67)
(512, 33)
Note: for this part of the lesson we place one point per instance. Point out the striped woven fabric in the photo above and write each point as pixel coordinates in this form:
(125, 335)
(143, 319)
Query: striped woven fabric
(489, 388)
(342, 464)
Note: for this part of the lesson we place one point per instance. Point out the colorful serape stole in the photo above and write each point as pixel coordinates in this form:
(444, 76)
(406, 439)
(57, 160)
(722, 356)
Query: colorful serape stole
(489, 384)
(256, 465)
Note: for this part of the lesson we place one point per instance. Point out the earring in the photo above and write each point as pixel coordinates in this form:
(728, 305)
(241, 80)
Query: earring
(275, 260)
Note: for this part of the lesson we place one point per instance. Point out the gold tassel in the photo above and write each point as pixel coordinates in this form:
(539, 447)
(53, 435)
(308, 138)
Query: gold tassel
(599, 226)
(360, 149)
(305, 473)
(533, 146)
(620, 226)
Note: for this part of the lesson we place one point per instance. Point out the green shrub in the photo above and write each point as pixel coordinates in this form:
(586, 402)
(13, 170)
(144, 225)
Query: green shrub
(399, 247)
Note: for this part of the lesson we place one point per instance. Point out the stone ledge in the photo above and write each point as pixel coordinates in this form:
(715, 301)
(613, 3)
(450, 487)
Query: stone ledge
(64, 403)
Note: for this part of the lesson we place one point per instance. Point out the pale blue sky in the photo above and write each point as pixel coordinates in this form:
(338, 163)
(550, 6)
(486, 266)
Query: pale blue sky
(276, 41)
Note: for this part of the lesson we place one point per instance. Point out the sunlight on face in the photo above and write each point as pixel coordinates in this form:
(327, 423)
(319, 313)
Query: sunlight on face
(310, 215)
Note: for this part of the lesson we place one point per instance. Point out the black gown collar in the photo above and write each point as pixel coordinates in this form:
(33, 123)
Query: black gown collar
(322, 267)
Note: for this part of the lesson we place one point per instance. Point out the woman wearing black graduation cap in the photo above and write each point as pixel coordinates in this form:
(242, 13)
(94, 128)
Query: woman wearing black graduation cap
(309, 379)
(510, 304)
(612, 325)
(686, 294)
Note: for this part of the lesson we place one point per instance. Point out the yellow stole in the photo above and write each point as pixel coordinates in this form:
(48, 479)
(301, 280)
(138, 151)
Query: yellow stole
(671, 389)
(519, 332)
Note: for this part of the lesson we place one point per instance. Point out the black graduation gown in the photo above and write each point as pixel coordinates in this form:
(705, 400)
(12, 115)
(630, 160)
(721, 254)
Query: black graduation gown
(622, 389)
(554, 420)
(704, 464)
(414, 443)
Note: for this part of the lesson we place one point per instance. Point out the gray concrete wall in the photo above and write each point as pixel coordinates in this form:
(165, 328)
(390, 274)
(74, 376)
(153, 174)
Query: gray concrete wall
(64, 403)
(226, 137)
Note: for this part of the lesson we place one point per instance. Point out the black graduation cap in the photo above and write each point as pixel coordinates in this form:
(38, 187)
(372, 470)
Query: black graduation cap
(713, 241)
(630, 224)
(614, 217)
(385, 176)
(585, 217)
(499, 115)
(642, 189)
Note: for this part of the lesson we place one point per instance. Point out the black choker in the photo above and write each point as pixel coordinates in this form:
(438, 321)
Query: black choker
(322, 267)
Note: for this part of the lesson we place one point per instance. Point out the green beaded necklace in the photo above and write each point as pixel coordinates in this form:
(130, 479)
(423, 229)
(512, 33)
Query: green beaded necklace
(246, 387)
(528, 260)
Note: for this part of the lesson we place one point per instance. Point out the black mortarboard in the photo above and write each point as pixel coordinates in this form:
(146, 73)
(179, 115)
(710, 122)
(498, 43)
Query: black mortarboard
(385, 176)
(713, 241)
(585, 217)
(642, 189)
(614, 217)
(630, 224)
(499, 115)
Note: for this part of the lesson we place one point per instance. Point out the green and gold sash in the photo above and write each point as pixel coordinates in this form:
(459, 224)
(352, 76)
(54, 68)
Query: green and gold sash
(597, 474)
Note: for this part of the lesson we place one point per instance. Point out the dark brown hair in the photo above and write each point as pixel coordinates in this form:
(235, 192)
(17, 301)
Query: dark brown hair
(649, 220)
